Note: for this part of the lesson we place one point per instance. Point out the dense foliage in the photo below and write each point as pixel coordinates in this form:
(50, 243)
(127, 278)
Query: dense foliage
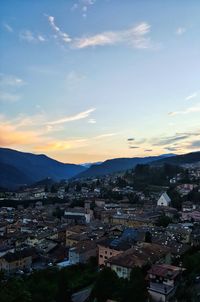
(50, 285)
(109, 286)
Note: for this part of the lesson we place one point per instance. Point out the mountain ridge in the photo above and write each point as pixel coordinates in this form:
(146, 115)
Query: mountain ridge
(34, 167)
(22, 168)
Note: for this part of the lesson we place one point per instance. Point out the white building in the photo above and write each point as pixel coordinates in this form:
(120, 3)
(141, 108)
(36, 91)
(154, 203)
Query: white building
(164, 200)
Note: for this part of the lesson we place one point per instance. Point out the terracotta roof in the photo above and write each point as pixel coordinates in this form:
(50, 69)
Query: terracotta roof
(139, 255)
(165, 270)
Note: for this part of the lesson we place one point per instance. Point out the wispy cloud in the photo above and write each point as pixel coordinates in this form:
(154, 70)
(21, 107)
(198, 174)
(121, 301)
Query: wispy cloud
(135, 36)
(83, 6)
(189, 110)
(91, 121)
(29, 36)
(8, 27)
(191, 96)
(64, 36)
(10, 80)
(105, 135)
(195, 144)
(73, 79)
(79, 116)
(171, 149)
(180, 30)
(61, 145)
(9, 97)
(11, 135)
(31, 132)
(169, 140)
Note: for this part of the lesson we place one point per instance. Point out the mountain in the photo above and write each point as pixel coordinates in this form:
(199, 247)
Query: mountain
(19, 168)
(88, 165)
(189, 158)
(118, 165)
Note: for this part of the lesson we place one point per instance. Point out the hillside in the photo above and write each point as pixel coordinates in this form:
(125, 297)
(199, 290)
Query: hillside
(189, 158)
(117, 165)
(19, 168)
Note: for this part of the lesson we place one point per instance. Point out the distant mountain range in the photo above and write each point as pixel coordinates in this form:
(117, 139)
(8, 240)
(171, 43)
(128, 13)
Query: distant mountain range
(19, 168)
(118, 165)
(88, 165)
(189, 158)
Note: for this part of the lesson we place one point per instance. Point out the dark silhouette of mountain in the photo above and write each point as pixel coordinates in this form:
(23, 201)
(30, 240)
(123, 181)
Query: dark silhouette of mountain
(88, 165)
(189, 158)
(117, 165)
(19, 168)
(11, 177)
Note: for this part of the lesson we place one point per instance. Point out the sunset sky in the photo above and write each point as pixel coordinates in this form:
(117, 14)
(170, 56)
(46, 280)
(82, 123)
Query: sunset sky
(88, 80)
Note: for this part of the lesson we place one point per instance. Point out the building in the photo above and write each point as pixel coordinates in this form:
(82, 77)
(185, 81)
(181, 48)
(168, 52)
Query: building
(109, 248)
(163, 281)
(139, 256)
(12, 263)
(78, 215)
(82, 252)
(164, 200)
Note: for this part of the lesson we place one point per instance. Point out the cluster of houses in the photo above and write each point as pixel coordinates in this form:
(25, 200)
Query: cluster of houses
(120, 234)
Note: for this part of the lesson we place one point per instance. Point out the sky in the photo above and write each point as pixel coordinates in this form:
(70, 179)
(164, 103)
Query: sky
(88, 80)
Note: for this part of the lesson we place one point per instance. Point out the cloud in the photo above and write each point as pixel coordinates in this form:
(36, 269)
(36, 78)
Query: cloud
(148, 150)
(79, 116)
(9, 97)
(7, 82)
(64, 36)
(28, 36)
(105, 135)
(83, 6)
(10, 80)
(92, 121)
(8, 27)
(60, 145)
(189, 110)
(171, 149)
(41, 38)
(191, 96)
(31, 132)
(133, 147)
(195, 144)
(180, 30)
(134, 36)
(74, 78)
(169, 140)
(10, 135)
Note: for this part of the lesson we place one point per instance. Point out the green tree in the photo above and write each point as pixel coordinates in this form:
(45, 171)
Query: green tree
(136, 290)
(106, 286)
(163, 221)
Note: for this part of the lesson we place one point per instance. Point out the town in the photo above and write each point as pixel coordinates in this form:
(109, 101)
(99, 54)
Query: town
(145, 219)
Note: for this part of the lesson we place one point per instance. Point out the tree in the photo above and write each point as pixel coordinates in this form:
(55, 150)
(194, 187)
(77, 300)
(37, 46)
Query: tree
(63, 292)
(163, 221)
(13, 291)
(106, 286)
(136, 290)
(58, 213)
(148, 237)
